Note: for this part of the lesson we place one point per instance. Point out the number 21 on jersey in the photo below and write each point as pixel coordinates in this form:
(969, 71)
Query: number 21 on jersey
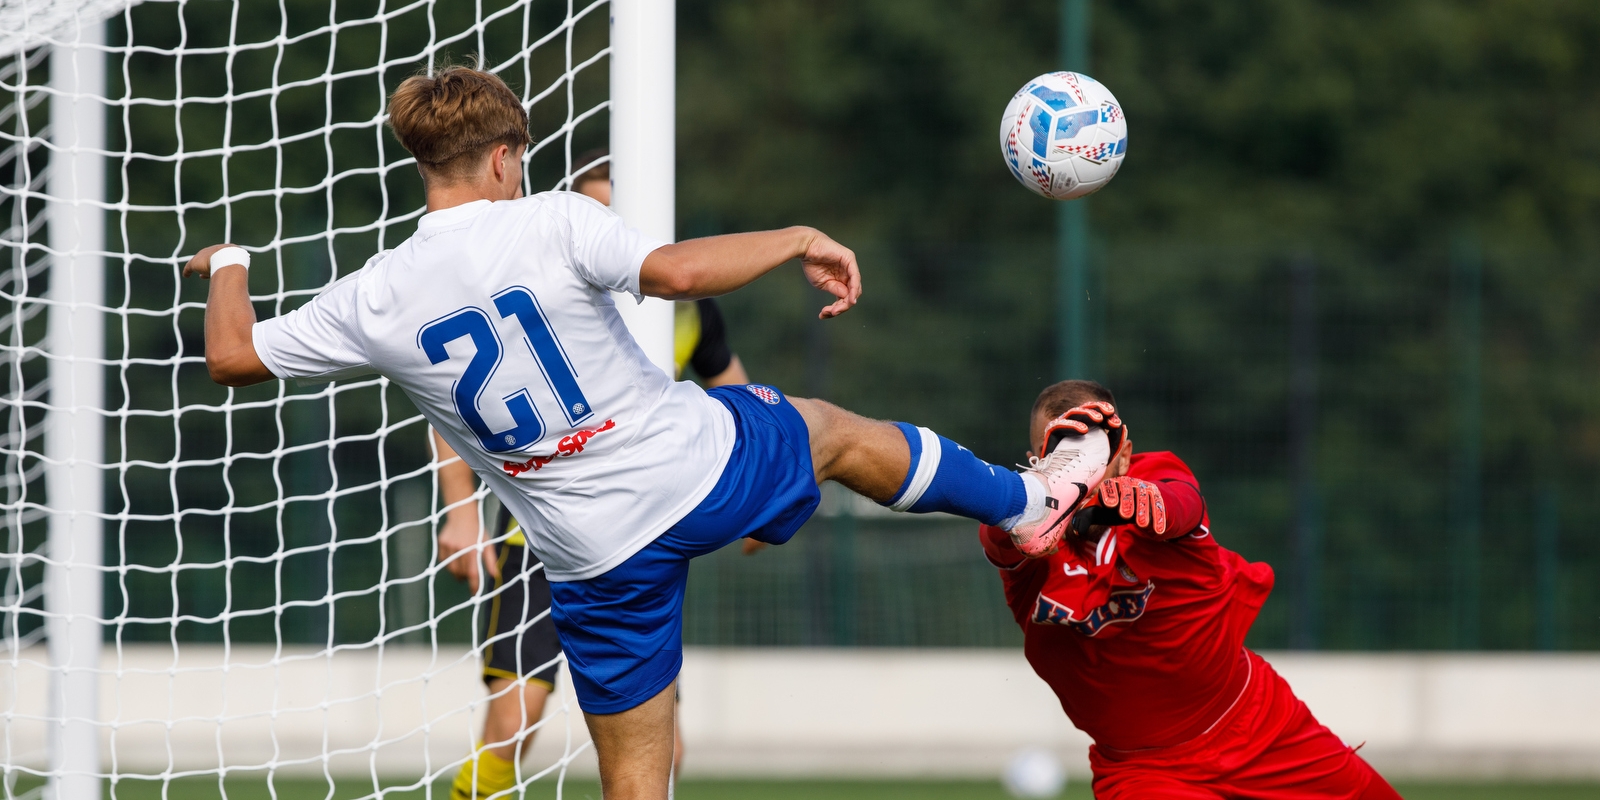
(473, 323)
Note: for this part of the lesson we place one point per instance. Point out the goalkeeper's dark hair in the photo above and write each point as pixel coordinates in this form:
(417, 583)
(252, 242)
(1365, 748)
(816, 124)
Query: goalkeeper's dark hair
(449, 119)
(1059, 398)
(592, 171)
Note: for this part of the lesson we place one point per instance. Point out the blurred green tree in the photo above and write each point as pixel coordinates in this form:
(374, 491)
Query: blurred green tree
(1367, 136)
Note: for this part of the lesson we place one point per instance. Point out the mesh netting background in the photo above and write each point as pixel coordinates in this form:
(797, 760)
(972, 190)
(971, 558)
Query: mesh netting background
(290, 525)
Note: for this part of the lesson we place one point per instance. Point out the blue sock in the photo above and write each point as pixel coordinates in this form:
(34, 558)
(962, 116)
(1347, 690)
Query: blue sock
(945, 476)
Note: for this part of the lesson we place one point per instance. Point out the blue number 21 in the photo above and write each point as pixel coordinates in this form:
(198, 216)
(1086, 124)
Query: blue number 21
(473, 323)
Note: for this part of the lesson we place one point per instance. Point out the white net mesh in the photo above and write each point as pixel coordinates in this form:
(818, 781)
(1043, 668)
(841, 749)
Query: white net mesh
(256, 566)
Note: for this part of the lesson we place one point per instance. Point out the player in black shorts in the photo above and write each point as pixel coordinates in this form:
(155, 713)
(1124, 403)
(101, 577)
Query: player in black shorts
(521, 654)
(518, 639)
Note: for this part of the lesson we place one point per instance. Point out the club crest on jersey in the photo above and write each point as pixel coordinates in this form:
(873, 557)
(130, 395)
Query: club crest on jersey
(1124, 606)
(766, 393)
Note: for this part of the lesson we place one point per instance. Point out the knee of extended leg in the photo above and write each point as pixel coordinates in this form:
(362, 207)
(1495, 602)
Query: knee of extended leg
(821, 416)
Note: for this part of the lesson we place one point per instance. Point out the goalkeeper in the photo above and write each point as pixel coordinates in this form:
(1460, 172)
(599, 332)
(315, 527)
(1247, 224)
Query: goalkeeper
(518, 637)
(497, 320)
(1138, 624)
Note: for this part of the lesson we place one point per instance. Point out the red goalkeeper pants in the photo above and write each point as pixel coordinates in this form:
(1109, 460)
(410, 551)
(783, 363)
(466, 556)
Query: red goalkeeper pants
(1267, 746)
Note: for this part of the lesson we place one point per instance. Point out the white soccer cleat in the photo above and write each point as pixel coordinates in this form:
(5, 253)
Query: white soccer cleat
(1071, 469)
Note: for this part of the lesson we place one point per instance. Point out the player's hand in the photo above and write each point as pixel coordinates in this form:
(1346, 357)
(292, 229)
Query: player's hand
(200, 264)
(462, 531)
(750, 547)
(831, 267)
(1097, 414)
(1137, 503)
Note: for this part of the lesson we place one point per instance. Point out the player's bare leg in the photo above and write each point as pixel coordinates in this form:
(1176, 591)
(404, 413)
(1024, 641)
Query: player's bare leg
(510, 713)
(677, 745)
(868, 456)
(635, 748)
(492, 770)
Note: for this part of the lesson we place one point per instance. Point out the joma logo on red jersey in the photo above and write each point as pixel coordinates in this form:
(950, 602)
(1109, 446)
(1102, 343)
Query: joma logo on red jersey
(1124, 606)
(568, 446)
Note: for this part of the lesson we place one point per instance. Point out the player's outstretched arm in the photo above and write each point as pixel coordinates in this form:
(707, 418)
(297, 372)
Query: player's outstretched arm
(717, 265)
(230, 353)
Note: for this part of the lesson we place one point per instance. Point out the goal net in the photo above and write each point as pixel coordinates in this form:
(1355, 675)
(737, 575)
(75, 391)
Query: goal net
(237, 586)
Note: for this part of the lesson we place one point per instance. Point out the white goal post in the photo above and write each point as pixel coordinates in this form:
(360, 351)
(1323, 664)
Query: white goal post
(643, 145)
(183, 564)
(74, 423)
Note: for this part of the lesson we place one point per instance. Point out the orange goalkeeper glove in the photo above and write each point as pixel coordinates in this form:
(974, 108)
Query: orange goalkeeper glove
(1137, 503)
(1095, 414)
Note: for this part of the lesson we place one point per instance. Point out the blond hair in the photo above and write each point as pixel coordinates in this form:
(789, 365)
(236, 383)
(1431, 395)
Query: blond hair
(448, 120)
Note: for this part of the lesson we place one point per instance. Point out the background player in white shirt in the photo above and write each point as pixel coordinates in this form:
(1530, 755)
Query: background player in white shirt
(496, 318)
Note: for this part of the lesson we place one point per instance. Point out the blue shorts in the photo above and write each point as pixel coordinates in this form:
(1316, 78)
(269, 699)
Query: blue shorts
(622, 631)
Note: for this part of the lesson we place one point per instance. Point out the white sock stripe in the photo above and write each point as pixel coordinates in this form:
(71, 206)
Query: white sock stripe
(927, 465)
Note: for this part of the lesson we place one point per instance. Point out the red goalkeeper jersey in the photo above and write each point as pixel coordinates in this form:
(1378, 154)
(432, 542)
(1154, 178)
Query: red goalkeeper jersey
(1141, 639)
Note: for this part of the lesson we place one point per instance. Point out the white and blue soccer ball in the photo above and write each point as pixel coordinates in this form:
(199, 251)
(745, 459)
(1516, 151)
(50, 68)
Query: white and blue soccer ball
(1034, 773)
(1064, 135)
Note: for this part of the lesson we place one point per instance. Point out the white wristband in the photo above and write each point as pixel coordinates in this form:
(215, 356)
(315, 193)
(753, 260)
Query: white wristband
(229, 256)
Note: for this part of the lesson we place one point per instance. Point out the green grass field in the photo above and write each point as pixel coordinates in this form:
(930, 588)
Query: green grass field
(874, 790)
(191, 789)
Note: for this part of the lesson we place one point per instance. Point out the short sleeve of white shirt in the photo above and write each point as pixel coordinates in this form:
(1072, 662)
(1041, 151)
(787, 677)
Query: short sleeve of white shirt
(317, 341)
(605, 251)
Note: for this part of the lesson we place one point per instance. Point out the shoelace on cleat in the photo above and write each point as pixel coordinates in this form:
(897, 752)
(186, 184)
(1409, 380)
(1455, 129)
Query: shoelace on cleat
(1059, 458)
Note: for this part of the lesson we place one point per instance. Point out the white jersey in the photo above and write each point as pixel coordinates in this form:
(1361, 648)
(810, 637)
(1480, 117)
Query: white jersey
(497, 320)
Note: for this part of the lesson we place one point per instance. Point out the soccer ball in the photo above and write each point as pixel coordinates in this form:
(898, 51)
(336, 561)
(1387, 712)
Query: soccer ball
(1034, 773)
(1064, 135)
